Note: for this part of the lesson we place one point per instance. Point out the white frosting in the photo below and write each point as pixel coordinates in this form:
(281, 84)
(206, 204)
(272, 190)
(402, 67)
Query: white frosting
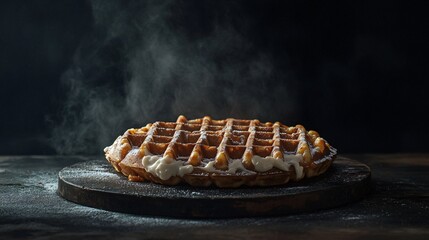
(210, 167)
(165, 167)
(295, 160)
(263, 164)
(235, 165)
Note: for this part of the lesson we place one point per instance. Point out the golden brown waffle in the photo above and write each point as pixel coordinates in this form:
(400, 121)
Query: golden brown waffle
(227, 153)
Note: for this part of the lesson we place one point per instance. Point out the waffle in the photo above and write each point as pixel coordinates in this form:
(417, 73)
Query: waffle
(226, 153)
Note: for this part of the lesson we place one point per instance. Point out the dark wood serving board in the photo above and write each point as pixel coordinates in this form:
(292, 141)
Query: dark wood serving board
(96, 184)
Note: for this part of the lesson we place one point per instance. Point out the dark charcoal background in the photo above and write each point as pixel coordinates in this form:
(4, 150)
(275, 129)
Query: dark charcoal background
(359, 68)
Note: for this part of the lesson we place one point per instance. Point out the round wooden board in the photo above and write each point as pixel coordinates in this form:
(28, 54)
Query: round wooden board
(96, 184)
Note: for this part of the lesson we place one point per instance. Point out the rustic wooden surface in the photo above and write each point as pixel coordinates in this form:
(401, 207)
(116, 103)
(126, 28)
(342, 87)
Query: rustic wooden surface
(90, 183)
(398, 208)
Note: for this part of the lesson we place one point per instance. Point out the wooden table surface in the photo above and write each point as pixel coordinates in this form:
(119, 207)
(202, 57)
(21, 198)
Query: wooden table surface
(397, 208)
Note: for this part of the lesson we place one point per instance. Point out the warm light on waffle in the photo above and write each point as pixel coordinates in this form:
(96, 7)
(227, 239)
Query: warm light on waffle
(228, 153)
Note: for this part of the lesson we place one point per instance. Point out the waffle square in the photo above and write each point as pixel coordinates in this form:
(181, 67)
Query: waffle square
(226, 153)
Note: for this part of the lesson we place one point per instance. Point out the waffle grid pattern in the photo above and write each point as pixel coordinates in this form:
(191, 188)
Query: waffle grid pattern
(221, 140)
(211, 151)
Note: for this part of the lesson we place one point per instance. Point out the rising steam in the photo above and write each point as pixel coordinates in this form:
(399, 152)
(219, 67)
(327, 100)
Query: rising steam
(152, 61)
